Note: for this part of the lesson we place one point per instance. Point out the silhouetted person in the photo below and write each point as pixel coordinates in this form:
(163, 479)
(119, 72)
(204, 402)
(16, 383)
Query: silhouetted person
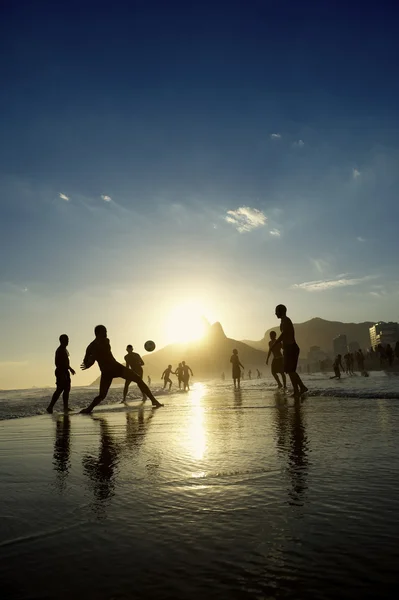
(149, 380)
(223, 377)
(186, 376)
(397, 350)
(62, 374)
(135, 363)
(179, 373)
(389, 354)
(166, 377)
(337, 366)
(249, 374)
(236, 369)
(360, 361)
(290, 349)
(100, 350)
(257, 374)
(277, 367)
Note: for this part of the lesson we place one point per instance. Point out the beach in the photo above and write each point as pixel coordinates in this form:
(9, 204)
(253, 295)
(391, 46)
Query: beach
(219, 494)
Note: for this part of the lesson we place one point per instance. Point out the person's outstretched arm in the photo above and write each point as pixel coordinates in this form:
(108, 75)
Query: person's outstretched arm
(242, 366)
(72, 370)
(192, 374)
(89, 358)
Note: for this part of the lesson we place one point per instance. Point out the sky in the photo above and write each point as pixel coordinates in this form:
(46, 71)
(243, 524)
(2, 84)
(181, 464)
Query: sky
(160, 161)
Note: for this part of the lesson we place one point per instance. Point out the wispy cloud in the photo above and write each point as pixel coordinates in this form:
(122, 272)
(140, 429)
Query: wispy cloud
(355, 173)
(275, 232)
(360, 238)
(298, 144)
(275, 136)
(64, 197)
(246, 218)
(106, 198)
(323, 285)
(320, 264)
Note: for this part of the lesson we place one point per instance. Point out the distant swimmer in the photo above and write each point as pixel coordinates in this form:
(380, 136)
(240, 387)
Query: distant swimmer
(249, 374)
(338, 367)
(236, 369)
(186, 376)
(278, 360)
(179, 373)
(290, 350)
(135, 363)
(100, 350)
(258, 374)
(62, 374)
(166, 377)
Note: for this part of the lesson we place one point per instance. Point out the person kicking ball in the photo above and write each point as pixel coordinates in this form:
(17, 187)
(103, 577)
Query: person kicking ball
(100, 350)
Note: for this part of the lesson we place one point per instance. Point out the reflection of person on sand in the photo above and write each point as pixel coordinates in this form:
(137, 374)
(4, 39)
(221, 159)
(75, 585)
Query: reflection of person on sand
(166, 377)
(179, 373)
(62, 374)
(186, 376)
(236, 369)
(102, 470)
(291, 350)
(62, 448)
(337, 366)
(278, 360)
(135, 363)
(292, 441)
(100, 350)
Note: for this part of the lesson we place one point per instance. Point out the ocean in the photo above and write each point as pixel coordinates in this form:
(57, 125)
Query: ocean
(219, 494)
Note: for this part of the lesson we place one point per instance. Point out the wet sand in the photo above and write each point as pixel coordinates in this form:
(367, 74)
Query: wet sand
(217, 495)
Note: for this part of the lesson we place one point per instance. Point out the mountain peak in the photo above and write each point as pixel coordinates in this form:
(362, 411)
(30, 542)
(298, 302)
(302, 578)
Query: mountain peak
(216, 330)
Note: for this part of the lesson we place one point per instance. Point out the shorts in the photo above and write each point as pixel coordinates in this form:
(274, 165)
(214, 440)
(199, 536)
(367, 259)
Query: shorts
(278, 365)
(236, 373)
(291, 355)
(62, 380)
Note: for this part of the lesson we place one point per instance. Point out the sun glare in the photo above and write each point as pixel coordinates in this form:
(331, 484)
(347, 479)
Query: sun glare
(186, 322)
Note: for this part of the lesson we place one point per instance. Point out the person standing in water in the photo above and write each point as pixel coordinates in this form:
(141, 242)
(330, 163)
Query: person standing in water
(236, 369)
(62, 374)
(149, 380)
(186, 370)
(290, 350)
(338, 367)
(166, 377)
(179, 373)
(277, 367)
(100, 350)
(257, 374)
(249, 374)
(135, 363)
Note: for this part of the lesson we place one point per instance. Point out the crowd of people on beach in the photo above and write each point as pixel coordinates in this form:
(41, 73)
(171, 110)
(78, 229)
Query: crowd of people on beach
(284, 349)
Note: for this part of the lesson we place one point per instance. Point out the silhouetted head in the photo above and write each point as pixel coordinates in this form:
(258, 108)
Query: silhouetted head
(64, 339)
(169, 366)
(235, 351)
(179, 364)
(129, 348)
(281, 311)
(100, 331)
(273, 335)
(183, 362)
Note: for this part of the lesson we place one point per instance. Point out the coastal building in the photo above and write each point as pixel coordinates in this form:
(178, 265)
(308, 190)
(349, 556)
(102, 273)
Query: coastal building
(384, 333)
(340, 345)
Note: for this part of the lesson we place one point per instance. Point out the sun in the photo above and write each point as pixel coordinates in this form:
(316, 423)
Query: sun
(186, 322)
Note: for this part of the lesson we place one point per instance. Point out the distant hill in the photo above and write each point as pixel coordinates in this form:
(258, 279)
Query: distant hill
(318, 332)
(208, 357)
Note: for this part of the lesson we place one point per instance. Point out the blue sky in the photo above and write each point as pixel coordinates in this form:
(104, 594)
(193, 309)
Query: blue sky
(158, 154)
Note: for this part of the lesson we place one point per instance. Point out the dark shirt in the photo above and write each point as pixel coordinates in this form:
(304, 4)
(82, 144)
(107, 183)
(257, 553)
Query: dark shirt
(134, 361)
(62, 359)
(100, 350)
(235, 361)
